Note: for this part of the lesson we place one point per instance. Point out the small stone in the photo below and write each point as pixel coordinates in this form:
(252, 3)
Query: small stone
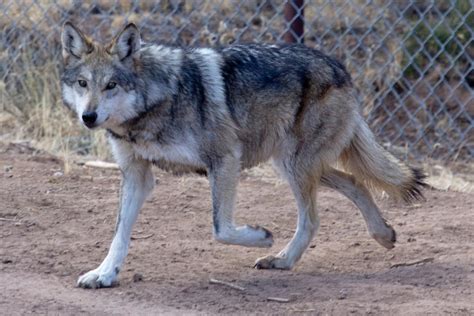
(137, 277)
(342, 295)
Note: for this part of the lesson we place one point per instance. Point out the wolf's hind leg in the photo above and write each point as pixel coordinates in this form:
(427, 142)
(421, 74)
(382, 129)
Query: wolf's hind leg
(223, 178)
(304, 189)
(360, 196)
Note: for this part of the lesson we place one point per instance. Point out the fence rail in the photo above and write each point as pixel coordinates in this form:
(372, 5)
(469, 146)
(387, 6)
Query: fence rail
(412, 61)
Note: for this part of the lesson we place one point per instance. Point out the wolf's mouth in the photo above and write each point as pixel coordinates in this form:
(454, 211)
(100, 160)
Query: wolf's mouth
(90, 125)
(95, 124)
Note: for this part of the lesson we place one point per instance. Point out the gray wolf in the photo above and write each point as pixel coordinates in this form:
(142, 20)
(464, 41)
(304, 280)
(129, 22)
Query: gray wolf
(219, 111)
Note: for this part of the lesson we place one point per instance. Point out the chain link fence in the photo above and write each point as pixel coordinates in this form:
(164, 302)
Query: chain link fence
(412, 61)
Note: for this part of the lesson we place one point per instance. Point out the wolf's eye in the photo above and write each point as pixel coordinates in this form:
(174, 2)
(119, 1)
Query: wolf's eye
(110, 85)
(82, 83)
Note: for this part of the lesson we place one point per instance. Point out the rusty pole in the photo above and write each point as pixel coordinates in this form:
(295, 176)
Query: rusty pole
(294, 17)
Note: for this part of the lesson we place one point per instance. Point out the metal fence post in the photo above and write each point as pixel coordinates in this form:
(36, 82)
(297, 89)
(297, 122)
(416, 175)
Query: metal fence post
(294, 17)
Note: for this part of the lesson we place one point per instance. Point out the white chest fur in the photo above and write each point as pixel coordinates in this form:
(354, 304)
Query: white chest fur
(185, 152)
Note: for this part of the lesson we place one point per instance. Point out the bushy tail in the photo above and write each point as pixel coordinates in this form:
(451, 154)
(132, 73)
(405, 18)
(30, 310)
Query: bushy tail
(376, 167)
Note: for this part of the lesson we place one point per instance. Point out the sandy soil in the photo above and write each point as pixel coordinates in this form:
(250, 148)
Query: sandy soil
(54, 227)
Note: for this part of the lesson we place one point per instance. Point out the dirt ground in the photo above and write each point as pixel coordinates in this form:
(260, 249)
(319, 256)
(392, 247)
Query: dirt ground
(55, 227)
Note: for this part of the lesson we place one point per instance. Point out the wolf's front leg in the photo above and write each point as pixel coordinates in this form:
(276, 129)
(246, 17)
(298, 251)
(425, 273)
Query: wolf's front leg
(223, 178)
(137, 183)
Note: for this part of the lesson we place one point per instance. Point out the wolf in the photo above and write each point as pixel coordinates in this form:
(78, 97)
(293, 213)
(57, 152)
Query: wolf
(218, 111)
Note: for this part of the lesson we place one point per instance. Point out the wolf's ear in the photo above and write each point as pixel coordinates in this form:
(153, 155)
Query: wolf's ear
(127, 43)
(74, 42)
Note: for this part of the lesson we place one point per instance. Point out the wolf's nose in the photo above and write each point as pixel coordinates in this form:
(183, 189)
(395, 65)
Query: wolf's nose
(89, 117)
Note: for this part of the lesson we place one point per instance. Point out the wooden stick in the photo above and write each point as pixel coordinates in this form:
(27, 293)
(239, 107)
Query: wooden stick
(142, 237)
(279, 299)
(236, 287)
(101, 164)
(406, 264)
(9, 219)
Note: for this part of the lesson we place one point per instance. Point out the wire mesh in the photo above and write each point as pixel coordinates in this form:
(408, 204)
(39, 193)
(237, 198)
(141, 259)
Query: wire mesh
(412, 61)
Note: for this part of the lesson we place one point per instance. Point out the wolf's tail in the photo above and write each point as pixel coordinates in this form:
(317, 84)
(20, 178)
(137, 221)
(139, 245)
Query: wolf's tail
(376, 167)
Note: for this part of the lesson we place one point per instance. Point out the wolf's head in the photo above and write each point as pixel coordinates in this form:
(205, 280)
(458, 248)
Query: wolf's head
(99, 81)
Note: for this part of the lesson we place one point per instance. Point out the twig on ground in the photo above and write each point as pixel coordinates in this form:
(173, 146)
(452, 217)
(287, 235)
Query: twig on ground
(142, 237)
(236, 287)
(8, 219)
(303, 310)
(279, 299)
(406, 264)
(101, 164)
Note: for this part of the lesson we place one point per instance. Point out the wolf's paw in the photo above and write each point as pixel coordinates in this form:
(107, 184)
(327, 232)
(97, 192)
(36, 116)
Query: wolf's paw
(95, 279)
(386, 237)
(261, 237)
(273, 262)
(248, 236)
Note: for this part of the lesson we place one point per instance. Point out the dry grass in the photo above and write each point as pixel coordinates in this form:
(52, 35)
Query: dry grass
(39, 115)
(30, 97)
(458, 177)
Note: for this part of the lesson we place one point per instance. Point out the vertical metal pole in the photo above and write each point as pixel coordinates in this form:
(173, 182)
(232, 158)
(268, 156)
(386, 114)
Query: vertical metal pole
(294, 17)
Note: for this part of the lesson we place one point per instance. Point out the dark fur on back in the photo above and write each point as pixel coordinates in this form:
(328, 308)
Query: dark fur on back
(255, 71)
(263, 85)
